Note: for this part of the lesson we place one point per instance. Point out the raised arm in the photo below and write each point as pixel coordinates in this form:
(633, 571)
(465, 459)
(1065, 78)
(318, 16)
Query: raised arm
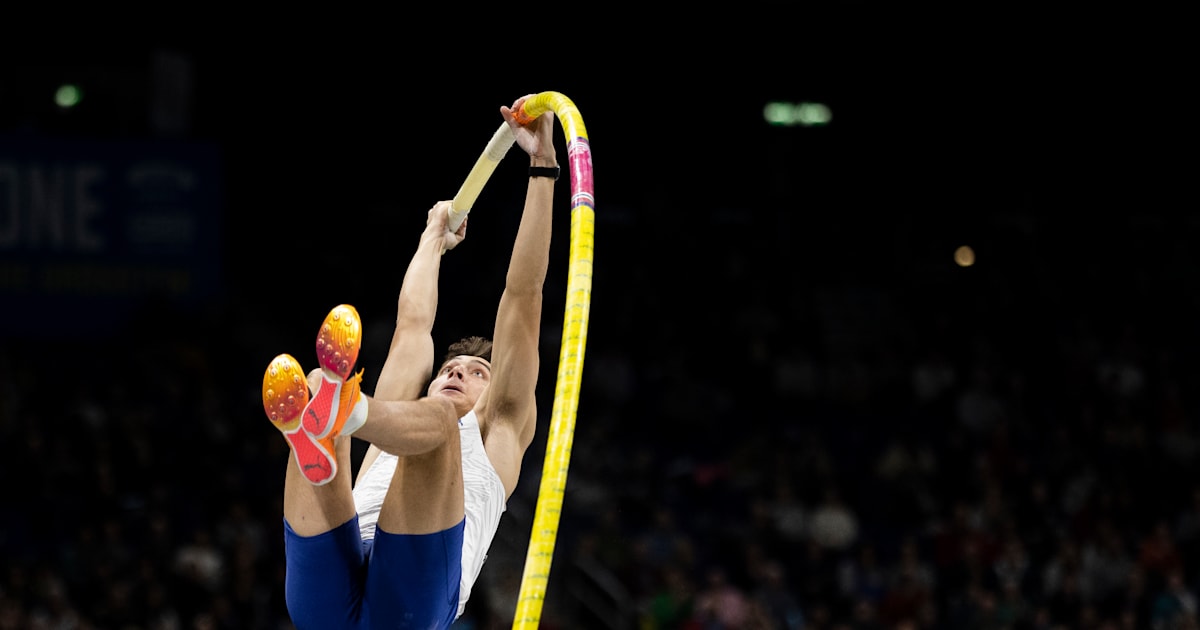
(409, 362)
(508, 409)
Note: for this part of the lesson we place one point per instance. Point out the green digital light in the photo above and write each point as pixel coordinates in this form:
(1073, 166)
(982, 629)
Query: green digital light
(68, 96)
(804, 114)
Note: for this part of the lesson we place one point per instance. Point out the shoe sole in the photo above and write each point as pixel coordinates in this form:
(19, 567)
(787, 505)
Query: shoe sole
(285, 396)
(284, 392)
(338, 344)
(339, 340)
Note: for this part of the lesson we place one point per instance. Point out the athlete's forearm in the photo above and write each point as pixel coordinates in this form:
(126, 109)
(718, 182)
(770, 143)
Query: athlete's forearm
(531, 249)
(410, 355)
(518, 319)
(417, 304)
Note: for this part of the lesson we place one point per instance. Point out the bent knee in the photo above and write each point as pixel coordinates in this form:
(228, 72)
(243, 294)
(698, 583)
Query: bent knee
(448, 414)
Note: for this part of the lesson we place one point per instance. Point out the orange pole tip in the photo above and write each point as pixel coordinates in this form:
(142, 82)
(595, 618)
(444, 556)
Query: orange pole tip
(519, 113)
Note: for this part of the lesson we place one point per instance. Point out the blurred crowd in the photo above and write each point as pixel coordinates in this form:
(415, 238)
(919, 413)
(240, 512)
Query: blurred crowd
(759, 444)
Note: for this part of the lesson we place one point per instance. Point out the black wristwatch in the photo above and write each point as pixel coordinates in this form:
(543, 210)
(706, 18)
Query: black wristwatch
(544, 171)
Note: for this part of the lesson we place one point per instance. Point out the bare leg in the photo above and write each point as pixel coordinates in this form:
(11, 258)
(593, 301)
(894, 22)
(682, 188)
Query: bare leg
(309, 508)
(426, 494)
(409, 427)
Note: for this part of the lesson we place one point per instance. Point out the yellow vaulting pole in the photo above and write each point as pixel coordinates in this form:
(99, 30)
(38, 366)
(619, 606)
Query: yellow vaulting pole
(575, 322)
(570, 362)
(485, 165)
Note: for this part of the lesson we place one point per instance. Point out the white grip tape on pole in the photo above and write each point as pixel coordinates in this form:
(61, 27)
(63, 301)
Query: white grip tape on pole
(496, 148)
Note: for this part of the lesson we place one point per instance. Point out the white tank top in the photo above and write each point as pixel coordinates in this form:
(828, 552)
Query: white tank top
(485, 501)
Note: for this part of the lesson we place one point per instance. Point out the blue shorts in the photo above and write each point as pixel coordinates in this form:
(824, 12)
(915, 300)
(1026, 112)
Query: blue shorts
(337, 580)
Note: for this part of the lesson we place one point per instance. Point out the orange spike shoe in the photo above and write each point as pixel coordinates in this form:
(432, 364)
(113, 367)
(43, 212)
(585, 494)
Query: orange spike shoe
(339, 395)
(285, 395)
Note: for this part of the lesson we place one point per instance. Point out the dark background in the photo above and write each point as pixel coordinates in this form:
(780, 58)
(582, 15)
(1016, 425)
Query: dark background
(765, 300)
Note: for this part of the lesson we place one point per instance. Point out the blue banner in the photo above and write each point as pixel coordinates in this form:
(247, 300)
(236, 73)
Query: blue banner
(90, 230)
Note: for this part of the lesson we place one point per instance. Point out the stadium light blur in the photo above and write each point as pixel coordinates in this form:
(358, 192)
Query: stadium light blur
(964, 256)
(804, 114)
(68, 96)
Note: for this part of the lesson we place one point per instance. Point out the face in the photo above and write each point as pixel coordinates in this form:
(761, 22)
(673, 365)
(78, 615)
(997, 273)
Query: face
(462, 380)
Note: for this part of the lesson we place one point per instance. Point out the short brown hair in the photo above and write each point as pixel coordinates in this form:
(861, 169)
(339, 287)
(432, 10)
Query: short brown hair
(472, 347)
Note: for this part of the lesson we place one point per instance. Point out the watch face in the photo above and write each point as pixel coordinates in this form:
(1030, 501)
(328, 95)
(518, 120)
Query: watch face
(544, 171)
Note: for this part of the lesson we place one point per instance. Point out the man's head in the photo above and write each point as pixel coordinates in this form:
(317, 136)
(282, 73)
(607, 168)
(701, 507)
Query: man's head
(464, 373)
